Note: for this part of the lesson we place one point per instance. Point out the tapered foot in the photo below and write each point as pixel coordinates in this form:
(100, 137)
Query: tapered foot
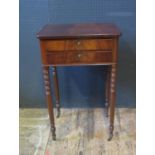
(58, 110)
(106, 109)
(58, 113)
(110, 132)
(54, 137)
(110, 136)
(53, 133)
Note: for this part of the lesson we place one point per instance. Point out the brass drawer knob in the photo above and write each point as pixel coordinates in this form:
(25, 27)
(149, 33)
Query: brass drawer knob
(78, 43)
(79, 55)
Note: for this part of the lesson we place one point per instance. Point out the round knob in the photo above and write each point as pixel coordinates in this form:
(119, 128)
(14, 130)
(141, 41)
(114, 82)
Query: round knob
(79, 55)
(78, 43)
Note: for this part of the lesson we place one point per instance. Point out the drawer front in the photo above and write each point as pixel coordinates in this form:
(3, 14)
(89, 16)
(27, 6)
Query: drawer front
(85, 57)
(79, 44)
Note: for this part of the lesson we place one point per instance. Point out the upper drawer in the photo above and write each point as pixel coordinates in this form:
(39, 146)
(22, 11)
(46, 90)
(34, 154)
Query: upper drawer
(79, 44)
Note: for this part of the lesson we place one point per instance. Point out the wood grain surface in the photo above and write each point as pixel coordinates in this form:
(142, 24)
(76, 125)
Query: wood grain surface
(78, 44)
(78, 30)
(79, 132)
(34, 130)
(85, 132)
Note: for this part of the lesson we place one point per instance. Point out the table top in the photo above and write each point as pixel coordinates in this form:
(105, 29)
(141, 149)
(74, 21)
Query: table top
(84, 30)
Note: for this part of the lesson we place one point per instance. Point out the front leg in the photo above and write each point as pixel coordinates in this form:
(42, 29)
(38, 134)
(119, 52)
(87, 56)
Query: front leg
(49, 99)
(107, 90)
(112, 99)
(56, 90)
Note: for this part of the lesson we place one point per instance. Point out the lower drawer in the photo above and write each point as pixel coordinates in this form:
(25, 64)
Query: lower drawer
(85, 57)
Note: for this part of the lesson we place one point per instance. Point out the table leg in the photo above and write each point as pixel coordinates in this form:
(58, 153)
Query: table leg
(49, 99)
(112, 99)
(107, 90)
(56, 90)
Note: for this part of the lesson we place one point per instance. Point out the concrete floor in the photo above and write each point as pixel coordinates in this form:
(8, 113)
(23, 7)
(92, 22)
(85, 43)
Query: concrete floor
(79, 132)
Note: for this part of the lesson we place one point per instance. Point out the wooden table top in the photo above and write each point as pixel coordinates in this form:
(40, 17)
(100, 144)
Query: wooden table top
(86, 30)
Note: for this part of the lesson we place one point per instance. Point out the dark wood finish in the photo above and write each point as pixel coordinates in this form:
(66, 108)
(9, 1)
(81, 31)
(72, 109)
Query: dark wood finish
(91, 30)
(80, 44)
(49, 99)
(107, 90)
(112, 99)
(84, 57)
(85, 51)
(56, 90)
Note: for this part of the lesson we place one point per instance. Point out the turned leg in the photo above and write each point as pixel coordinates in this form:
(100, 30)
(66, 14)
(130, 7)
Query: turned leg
(56, 90)
(112, 99)
(107, 90)
(49, 99)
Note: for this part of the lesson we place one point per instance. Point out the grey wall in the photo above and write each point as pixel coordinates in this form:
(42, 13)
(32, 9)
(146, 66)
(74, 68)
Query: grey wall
(79, 86)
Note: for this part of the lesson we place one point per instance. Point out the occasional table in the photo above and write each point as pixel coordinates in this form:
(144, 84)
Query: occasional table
(75, 45)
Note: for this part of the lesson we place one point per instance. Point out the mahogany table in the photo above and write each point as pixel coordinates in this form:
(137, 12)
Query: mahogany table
(79, 44)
